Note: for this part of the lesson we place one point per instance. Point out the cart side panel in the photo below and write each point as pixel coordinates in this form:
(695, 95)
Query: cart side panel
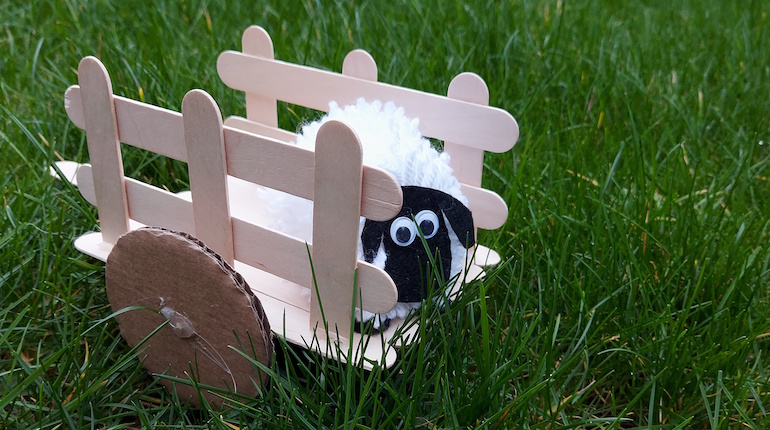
(252, 157)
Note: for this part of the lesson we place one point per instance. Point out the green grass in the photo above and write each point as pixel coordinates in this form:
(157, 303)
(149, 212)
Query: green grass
(635, 287)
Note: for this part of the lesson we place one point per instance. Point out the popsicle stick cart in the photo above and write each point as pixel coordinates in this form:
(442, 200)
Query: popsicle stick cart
(210, 272)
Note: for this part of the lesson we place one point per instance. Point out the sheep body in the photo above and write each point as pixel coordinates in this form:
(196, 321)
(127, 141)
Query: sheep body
(391, 141)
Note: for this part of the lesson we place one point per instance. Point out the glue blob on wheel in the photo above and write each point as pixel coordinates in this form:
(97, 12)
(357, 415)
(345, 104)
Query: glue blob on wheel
(209, 312)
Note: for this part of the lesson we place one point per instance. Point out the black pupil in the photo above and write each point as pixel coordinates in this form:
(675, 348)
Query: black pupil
(426, 227)
(403, 235)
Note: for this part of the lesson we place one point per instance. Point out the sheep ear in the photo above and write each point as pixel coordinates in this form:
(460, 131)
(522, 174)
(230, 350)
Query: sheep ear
(371, 237)
(460, 218)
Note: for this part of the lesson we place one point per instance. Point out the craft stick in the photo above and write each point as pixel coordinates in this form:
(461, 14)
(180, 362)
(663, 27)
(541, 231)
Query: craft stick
(337, 199)
(469, 124)
(359, 64)
(260, 129)
(484, 257)
(289, 168)
(257, 42)
(140, 124)
(148, 205)
(68, 169)
(207, 165)
(73, 105)
(467, 162)
(104, 148)
(85, 183)
(260, 247)
(254, 158)
(287, 257)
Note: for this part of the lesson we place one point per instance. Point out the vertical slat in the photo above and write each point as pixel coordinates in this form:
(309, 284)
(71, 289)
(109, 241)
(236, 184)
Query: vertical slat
(104, 148)
(360, 64)
(467, 162)
(336, 211)
(257, 42)
(207, 165)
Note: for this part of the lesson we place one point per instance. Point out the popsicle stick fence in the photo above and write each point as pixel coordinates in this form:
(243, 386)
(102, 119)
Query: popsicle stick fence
(228, 160)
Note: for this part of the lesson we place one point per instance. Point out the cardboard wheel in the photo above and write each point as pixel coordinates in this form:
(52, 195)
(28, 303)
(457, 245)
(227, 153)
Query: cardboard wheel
(210, 310)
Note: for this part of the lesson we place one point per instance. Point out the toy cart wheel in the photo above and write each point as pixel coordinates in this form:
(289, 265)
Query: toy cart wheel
(212, 316)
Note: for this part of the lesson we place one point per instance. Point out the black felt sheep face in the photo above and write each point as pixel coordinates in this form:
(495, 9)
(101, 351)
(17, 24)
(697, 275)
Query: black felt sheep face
(424, 214)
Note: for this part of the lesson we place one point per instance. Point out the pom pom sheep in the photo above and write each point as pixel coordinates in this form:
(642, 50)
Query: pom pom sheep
(433, 208)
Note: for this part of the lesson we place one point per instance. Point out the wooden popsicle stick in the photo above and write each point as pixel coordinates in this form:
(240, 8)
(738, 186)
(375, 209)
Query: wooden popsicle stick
(287, 257)
(467, 161)
(104, 148)
(257, 42)
(360, 64)
(73, 105)
(260, 129)
(268, 162)
(69, 171)
(484, 127)
(336, 204)
(142, 125)
(489, 209)
(207, 165)
(148, 205)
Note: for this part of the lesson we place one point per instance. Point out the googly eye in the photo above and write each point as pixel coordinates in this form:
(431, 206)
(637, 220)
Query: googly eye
(428, 223)
(403, 231)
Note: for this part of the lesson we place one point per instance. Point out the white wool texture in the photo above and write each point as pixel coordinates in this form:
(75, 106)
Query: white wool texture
(390, 141)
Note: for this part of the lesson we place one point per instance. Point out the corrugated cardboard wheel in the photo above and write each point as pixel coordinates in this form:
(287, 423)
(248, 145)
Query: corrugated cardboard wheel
(211, 313)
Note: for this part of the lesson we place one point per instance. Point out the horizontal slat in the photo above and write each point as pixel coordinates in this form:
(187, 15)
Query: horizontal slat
(68, 169)
(147, 204)
(378, 291)
(262, 248)
(489, 209)
(289, 168)
(469, 124)
(260, 129)
(140, 124)
(271, 163)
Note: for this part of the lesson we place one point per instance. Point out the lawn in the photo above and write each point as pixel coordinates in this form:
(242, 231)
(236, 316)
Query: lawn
(634, 287)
